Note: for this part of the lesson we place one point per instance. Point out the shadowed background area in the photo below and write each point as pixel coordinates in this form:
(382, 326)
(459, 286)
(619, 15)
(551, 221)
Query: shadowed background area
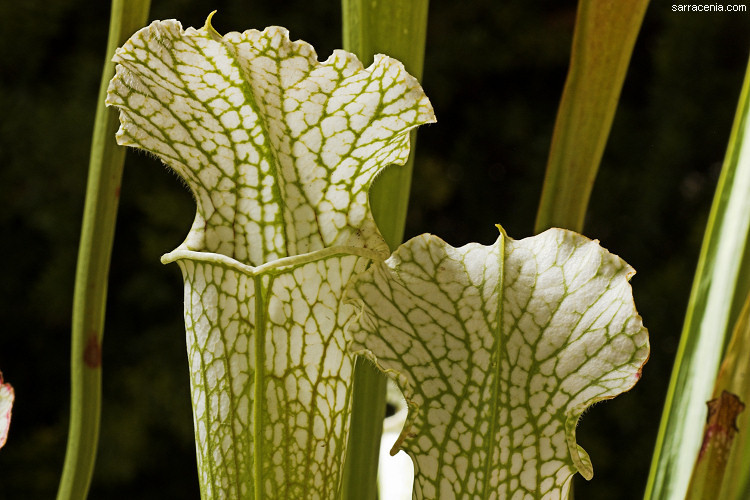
(494, 72)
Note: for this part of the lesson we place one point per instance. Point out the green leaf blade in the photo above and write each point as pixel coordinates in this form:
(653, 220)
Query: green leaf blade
(721, 281)
(499, 354)
(603, 42)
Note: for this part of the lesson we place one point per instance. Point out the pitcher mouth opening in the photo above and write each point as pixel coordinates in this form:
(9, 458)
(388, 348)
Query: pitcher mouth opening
(277, 264)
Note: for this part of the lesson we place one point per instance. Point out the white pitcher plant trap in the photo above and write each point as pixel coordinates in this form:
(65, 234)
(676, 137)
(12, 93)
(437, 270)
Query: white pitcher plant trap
(497, 349)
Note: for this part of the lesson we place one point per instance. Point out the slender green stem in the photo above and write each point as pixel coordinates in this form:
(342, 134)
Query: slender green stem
(396, 28)
(363, 449)
(603, 41)
(97, 234)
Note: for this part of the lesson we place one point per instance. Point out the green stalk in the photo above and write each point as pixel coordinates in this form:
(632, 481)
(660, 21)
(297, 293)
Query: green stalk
(603, 41)
(397, 28)
(366, 428)
(721, 278)
(100, 211)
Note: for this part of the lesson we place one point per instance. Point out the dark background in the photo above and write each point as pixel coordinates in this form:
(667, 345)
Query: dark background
(494, 72)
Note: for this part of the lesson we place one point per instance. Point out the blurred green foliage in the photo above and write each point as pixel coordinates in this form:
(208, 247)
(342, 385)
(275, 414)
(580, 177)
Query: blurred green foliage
(494, 72)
